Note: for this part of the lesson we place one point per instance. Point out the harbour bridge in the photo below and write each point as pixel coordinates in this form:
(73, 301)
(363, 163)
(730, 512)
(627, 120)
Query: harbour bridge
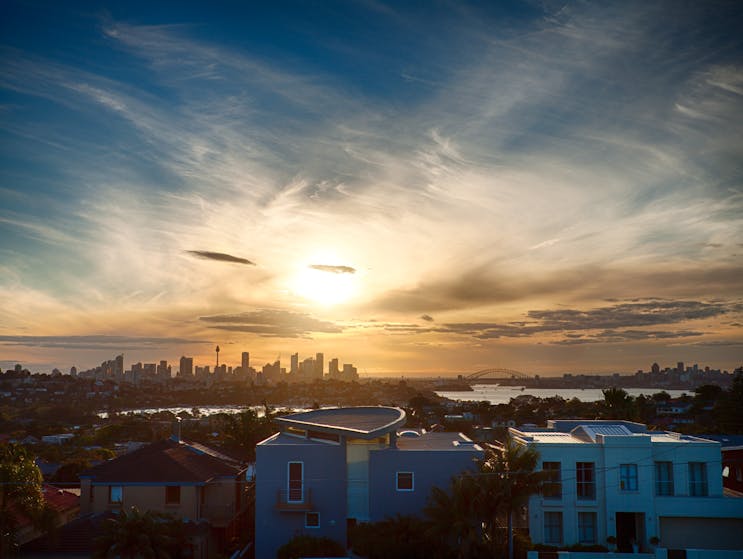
(497, 375)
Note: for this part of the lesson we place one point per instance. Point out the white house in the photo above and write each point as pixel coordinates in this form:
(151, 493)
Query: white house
(616, 478)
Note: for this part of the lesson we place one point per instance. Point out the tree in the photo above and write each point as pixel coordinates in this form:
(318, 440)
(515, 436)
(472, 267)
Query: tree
(618, 402)
(20, 492)
(134, 535)
(401, 537)
(456, 517)
(509, 475)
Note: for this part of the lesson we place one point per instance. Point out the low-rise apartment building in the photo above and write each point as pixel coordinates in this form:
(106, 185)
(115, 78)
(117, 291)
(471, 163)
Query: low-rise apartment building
(616, 478)
(331, 468)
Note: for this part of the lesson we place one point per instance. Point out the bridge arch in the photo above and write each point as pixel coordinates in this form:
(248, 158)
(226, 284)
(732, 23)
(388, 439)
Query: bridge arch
(496, 373)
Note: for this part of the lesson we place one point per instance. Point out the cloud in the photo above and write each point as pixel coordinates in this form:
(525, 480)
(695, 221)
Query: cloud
(619, 336)
(427, 317)
(116, 343)
(272, 323)
(219, 256)
(333, 269)
(609, 318)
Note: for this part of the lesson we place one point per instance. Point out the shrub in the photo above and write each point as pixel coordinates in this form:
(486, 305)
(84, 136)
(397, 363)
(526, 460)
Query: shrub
(310, 546)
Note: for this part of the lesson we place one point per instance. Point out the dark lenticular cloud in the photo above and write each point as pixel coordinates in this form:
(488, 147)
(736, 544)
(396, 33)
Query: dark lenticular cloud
(333, 269)
(219, 256)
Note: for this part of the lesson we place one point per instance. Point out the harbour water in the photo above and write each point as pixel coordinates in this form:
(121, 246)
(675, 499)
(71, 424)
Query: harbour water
(496, 394)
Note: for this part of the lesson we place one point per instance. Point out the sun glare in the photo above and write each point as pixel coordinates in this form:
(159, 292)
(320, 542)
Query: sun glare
(325, 288)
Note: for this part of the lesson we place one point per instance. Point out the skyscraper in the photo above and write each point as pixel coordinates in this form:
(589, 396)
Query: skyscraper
(333, 370)
(186, 367)
(245, 364)
(295, 364)
(319, 365)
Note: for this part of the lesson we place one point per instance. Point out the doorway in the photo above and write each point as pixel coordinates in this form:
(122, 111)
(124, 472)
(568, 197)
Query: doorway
(630, 531)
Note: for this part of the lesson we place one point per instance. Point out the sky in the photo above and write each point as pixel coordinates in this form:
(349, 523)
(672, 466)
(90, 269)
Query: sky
(412, 187)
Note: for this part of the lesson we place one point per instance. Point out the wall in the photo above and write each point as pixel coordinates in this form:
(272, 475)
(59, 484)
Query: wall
(148, 497)
(324, 476)
(430, 468)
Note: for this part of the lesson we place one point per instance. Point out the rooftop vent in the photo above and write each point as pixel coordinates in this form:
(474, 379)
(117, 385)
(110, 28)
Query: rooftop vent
(410, 434)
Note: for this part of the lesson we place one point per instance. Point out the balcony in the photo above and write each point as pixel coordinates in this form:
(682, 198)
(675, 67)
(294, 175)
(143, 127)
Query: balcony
(284, 504)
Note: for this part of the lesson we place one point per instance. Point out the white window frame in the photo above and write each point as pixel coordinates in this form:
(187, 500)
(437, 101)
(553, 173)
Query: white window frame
(289, 483)
(552, 484)
(412, 482)
(110, 494)
(558, 514)
(698, 479)
(582, 527)
(627, 475)
(664, 485)
(307, 524)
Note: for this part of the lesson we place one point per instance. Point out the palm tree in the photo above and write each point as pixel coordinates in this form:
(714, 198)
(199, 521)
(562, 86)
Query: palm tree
(508, 476)
(135, 535)
(454, 515)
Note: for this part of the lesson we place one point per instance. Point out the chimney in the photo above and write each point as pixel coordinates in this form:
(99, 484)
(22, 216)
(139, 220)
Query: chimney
(176, 435)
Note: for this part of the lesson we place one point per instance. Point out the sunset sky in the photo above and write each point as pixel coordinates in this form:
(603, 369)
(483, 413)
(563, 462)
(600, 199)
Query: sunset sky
(434, 187)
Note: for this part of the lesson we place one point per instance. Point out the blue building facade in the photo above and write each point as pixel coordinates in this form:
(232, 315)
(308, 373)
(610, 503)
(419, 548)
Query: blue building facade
(330, 468)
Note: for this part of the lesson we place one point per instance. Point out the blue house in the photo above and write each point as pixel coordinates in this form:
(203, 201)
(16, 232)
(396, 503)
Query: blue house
(331, 468)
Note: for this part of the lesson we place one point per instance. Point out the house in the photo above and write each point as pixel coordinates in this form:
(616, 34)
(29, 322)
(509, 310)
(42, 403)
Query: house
(184, 479)
(329, 469)
(616, 478)
(732, 461)
(64, 504)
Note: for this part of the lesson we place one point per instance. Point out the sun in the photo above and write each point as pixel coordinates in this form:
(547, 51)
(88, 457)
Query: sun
(323, 287)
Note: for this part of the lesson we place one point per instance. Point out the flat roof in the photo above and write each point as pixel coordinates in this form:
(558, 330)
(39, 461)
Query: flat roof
(438, 441)
(585, 432)
(365, 422)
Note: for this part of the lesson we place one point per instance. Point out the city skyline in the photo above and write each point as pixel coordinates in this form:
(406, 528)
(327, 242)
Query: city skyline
(541, 187)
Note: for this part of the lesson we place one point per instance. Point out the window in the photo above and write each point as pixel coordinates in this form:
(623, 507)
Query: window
(552, 486)
(586, 480)
(173, 495)
(312, 520)
(295, 488)
(628, 477)
(405, 481)
(697, 479)
(553, 528)
(664, 478)
(115, 494)
(586, 527)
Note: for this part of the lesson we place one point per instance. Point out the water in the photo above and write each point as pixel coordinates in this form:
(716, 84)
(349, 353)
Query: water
(204, 410)
(496, 394)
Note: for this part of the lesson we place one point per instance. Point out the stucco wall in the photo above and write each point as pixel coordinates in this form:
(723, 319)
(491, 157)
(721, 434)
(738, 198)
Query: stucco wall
(149, 497)
(430, 467)
(324, 477)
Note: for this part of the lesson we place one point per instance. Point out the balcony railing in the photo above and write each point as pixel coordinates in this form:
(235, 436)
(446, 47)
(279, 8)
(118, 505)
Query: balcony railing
(284, 503)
